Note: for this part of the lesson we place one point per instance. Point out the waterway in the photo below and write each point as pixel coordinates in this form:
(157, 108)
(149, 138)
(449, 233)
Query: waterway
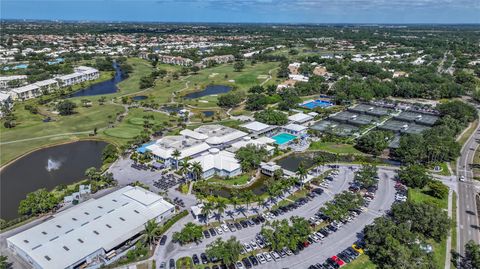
(46, 168)
(104, 87)
(209, 90)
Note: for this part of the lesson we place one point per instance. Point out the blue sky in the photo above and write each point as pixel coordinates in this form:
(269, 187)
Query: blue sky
(276, 11)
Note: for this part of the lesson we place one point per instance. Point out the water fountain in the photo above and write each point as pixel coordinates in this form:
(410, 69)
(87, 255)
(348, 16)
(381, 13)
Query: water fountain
(53, 165)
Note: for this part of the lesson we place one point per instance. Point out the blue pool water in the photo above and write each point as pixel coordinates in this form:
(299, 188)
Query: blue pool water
(143, 148)
(317, 103)
(283, 138)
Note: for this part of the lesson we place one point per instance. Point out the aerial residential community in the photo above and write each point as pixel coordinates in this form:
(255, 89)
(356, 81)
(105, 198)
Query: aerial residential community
(134, 136)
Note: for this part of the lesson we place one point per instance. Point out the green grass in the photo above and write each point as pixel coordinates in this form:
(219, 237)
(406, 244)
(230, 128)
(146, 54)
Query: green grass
(334, 147)
(239, 180)
(421, 196)
(362, 262)
(222, 74)
(454, 223)
(31, 126)
(444, 171)
(130, 85)
(439, 250)
(298, 194)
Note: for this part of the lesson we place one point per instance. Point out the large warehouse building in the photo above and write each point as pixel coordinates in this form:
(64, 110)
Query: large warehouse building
(92, 233)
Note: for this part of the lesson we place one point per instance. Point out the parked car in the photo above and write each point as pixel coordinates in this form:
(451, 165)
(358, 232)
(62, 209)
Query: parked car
(260, 258)
(253, 260)
(247, 263)
(195, 259)
(206, 234)
(204, 258)
(239, 265)
(212, 232)
(171, 264)
(275, 255)
(163, 240)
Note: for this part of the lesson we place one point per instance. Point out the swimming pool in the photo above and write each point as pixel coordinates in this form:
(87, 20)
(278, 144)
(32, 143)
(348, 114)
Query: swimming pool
(283, 138)
(317, 103)
(143, 148)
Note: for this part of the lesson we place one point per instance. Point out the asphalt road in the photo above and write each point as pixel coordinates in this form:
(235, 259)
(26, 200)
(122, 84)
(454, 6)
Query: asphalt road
(317, 252)
(468, 220)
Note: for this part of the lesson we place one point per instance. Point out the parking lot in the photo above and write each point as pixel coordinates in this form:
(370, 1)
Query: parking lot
(315, 253)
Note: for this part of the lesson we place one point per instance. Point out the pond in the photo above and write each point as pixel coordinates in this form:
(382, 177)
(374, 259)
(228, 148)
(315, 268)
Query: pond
(208, 113)
(209, 90)
(46, 168)
(104, 87)
(292, 161)
(258, 188)
(139, 98)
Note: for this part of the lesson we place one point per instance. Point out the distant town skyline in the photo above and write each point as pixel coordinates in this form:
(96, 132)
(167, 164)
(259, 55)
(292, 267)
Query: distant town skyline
(248, 11)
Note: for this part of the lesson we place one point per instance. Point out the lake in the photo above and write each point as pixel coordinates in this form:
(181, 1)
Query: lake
(208, 113)
(46, 168)
(139, 98)
(104, 87)
(209, 90)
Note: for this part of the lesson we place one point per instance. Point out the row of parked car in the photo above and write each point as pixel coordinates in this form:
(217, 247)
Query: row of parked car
(351, 253)
(346, 256)
(234, 226)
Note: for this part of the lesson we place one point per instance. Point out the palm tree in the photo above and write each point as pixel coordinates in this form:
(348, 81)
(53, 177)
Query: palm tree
(185, 164)
(176, 154)
(248, 196)
(197, 170)
(259, 200)
(301, 173)
(220, 207)
(151, 231)
(234, 201)
(206, 210)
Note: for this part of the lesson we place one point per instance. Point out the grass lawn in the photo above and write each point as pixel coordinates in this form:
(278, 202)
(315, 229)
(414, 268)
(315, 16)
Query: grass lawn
(421, 196)
(220, 75)
(70, 128)
(444, 171)
(462, 139)
(334, 147)
(454, 223)
(31, 126)
(362, 262)
(439, 250)
(476, 160)
(239, 180)
(298, 194)
(185, 263)
(130, 85)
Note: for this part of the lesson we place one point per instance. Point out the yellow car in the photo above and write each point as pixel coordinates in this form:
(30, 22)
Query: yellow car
(357, 249)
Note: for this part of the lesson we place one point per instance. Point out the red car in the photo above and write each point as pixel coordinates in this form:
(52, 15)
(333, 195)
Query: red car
(306, 244)
(338, 261)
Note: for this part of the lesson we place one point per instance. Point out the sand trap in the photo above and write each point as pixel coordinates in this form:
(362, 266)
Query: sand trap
(232, 81)
(212, 75)
(203, 101)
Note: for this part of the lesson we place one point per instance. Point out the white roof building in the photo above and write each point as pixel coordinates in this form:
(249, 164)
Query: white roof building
(85, 233)
(300, 78)
(218, 162)
(262, 142)
(294, 128)
(255, 126)
(165, 146)
(300, 118)
(219, 134)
